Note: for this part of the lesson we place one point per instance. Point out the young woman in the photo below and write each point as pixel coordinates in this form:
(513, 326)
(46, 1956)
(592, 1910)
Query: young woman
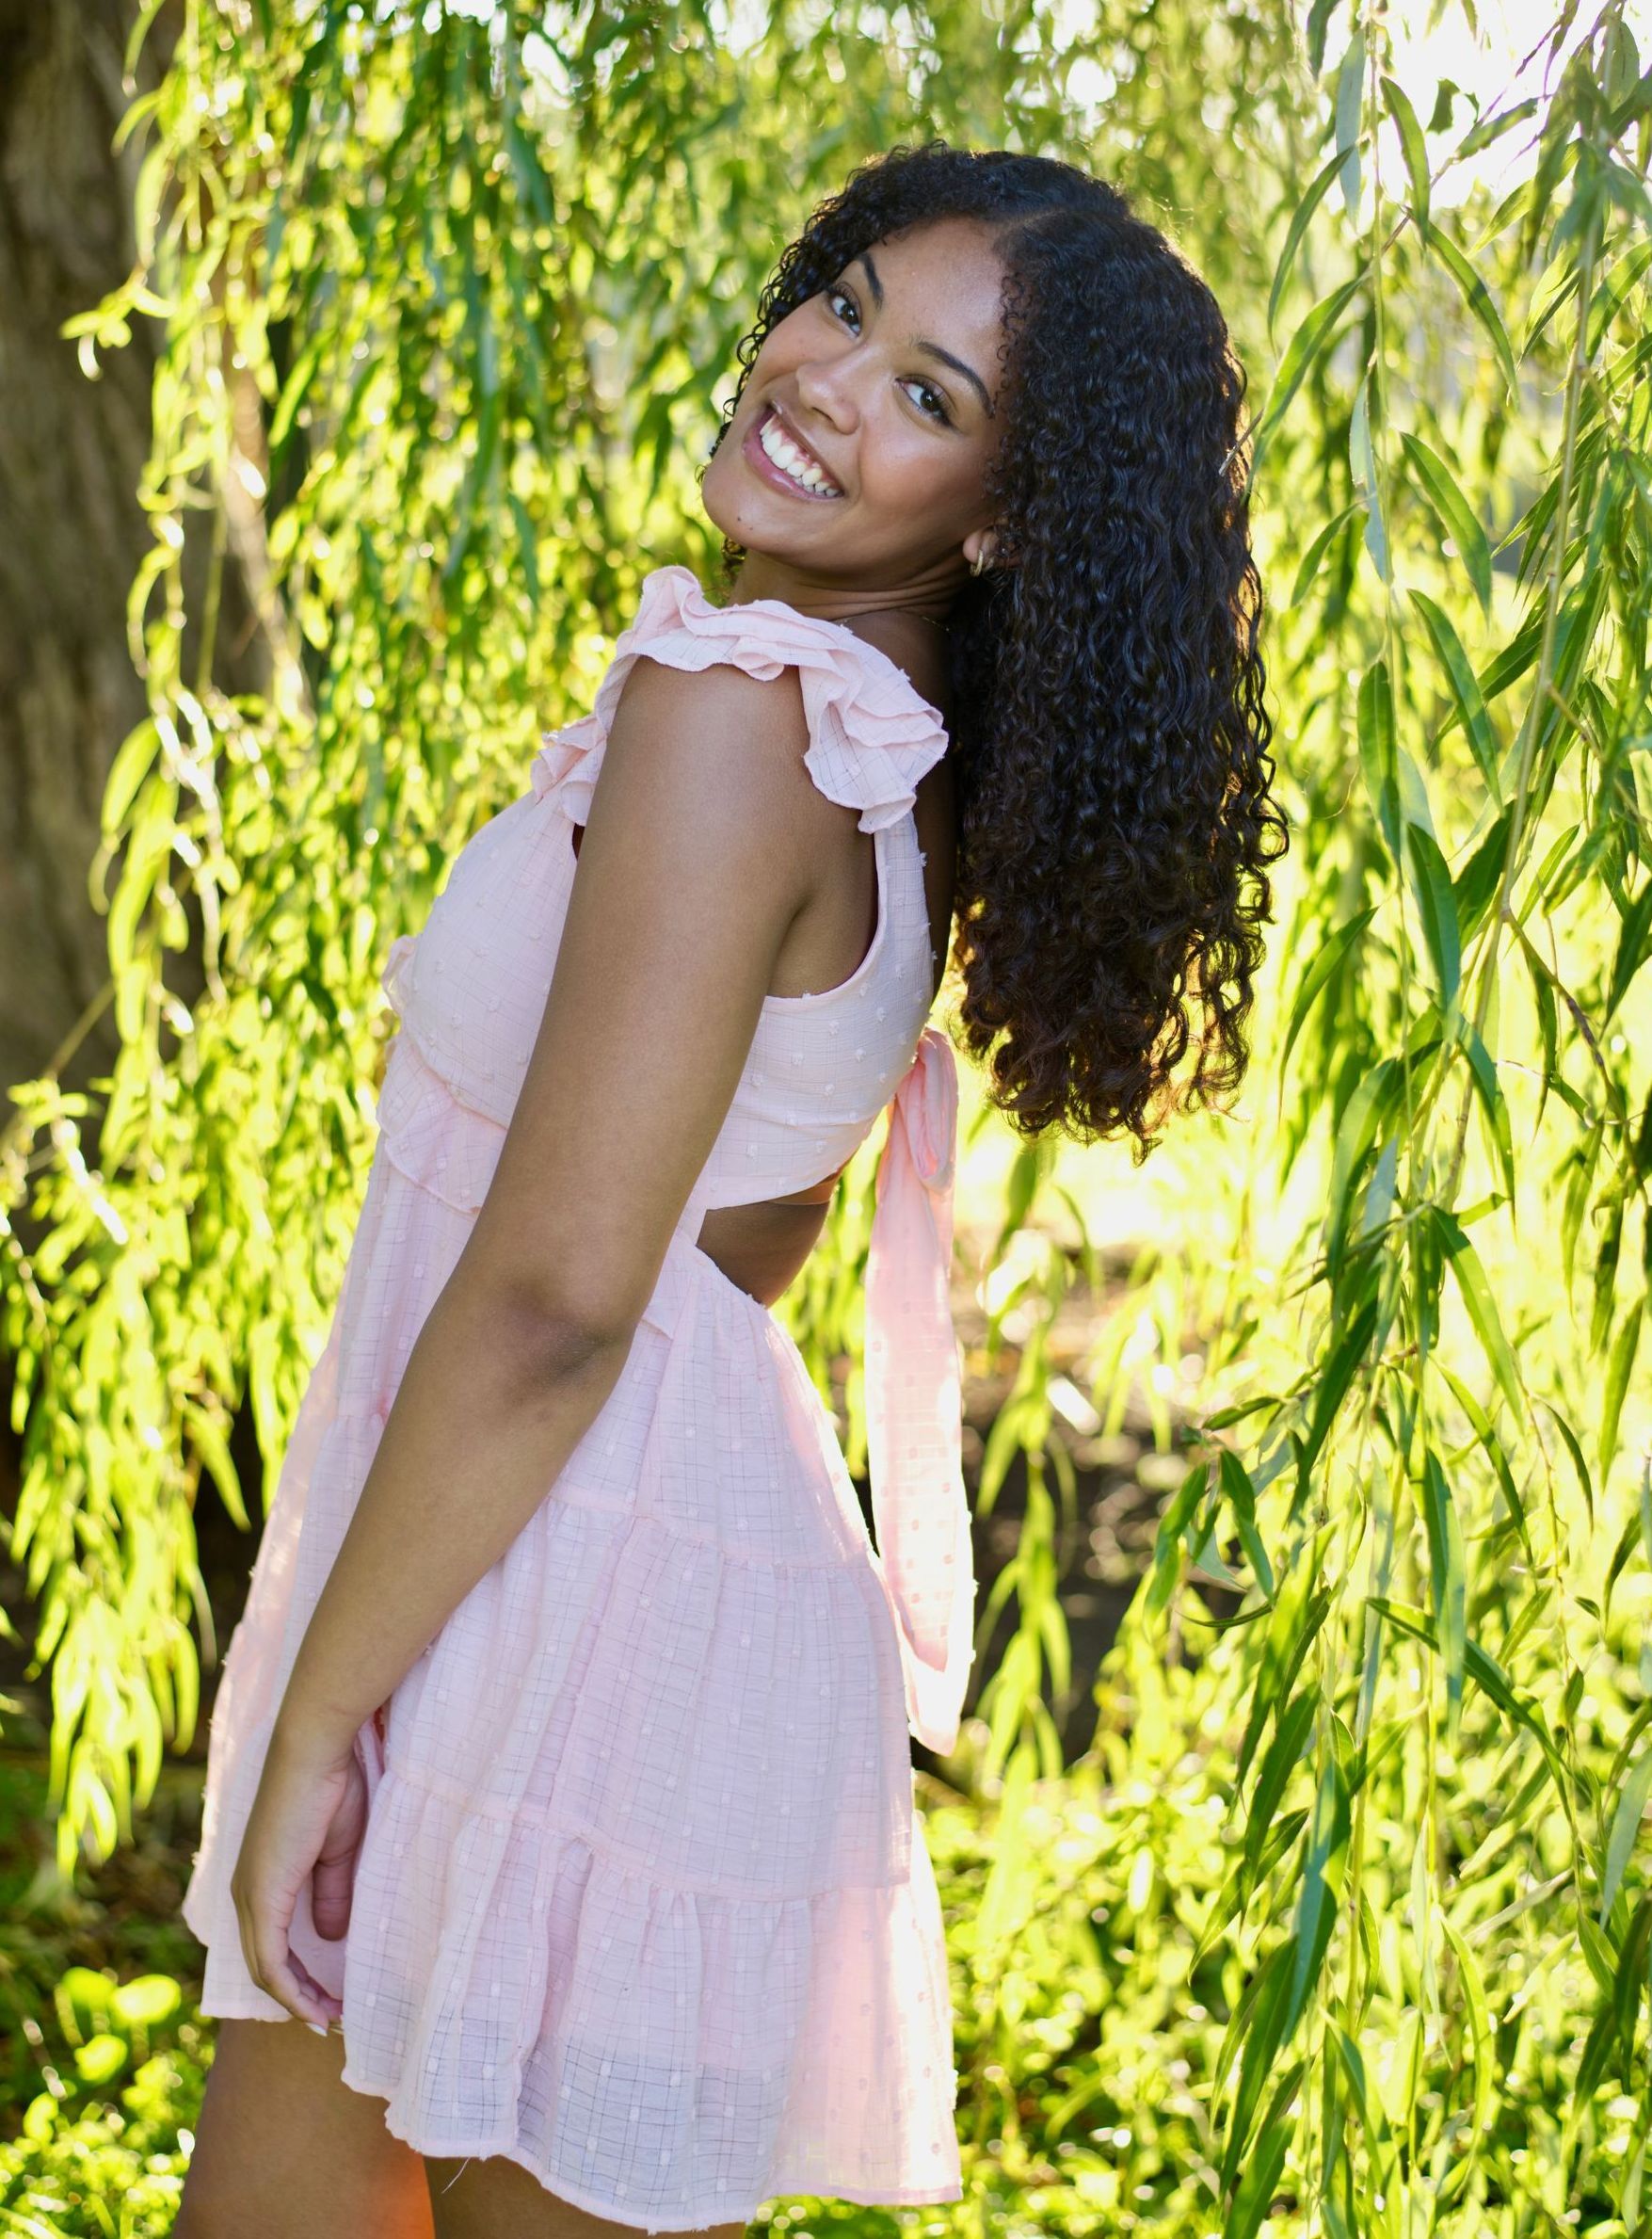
(561, 1758)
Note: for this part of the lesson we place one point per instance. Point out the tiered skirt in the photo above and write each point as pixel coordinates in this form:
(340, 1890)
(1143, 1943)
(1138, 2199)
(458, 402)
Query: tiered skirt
(643, 1903)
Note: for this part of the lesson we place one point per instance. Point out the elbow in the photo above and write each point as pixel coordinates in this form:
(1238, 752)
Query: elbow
(560, 1340)
(546, 1302)
(551, 1336)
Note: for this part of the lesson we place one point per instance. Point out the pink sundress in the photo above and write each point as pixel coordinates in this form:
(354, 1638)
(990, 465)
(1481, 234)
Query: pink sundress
(643, 1903)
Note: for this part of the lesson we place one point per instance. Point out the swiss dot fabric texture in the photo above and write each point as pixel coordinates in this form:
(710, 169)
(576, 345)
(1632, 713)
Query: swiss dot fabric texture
(643, 1903)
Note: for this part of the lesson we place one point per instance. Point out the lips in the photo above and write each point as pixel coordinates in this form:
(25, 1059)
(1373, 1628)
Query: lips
(777, 474)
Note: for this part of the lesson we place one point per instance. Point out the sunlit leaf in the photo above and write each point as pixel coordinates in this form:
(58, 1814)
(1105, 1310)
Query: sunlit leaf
(1625, 1828)
(1478, 298)
(1477, 1297)
(1431, 887)
(1413, 147)
(1456, 517)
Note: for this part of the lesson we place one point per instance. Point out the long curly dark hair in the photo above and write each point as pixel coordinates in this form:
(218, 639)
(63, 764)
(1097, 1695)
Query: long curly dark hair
(1111, 739)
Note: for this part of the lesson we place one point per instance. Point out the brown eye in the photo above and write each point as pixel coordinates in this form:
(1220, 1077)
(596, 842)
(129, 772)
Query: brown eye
(940, 412)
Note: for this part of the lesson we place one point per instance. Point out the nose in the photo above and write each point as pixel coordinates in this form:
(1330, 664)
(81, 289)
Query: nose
(825, 386)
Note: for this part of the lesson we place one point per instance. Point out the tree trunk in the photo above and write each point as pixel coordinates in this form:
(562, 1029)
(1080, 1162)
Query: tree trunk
(72, 453)
(72, 450)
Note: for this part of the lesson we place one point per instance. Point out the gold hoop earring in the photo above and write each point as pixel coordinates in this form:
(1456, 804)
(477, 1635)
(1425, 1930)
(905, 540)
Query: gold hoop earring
(980, 562)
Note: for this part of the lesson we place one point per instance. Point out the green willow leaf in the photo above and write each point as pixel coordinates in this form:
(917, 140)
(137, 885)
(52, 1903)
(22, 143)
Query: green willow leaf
(134, 760)
(291, 398)
(1168, 1542)
(1262, 2041)
(1319, 17)
(1476, 1294)
(1348, 110)
(1259, 2180)
(1619, 1367)
(1280, 1761)
(1455, 514)
(1465, 693)
(1485, 2073)
(1308, 567)
(1492, 126)
(1298, 1613)
(1630, 1974)
(1431, 887)
(1325, 967)
(1370, 1109)
(1633, 948)
(1478, 298)
(1378, 758)
(1489, 1676)
(1477, 886)
(1227, 1906)
(1362, 2097)
(1321, 1886)
(1298, 227)
(1494, 1108)
(1412, 144)
(1626, 1830)
(1367, 483)
(1450, 1583)
(1312, 337)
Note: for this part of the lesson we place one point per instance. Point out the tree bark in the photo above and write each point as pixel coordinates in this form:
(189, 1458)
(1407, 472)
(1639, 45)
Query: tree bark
(72, 451)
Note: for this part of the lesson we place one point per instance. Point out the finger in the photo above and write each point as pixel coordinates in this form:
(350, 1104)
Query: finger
(331, 2005)
(280, 1973)
(291, 1984)
(331, 1880)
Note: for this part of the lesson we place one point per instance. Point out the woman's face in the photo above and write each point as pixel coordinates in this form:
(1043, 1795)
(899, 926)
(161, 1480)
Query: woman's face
(868, 418)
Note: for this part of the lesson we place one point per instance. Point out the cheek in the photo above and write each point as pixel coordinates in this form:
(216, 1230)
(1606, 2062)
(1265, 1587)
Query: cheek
(903, 466)
(806, 332)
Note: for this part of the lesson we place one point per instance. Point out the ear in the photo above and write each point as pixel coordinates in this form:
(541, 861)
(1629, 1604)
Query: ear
(988, 540)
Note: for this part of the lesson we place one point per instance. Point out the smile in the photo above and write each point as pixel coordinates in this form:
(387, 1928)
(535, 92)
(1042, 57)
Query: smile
(784, 463)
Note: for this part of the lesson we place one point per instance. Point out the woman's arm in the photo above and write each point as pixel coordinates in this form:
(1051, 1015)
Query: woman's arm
(694, 864)
(703, 834)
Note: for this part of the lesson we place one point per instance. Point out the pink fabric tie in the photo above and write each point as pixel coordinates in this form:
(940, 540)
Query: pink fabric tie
(914, 1404)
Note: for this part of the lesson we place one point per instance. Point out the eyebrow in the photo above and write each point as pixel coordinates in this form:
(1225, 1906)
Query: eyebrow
(932, 348)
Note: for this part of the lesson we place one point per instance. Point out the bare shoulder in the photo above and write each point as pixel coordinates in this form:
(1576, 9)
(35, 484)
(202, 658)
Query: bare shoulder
(733, 741)
(727, 715)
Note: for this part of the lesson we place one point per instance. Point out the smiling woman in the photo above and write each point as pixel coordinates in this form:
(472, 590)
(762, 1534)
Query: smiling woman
(872, 404)
(996, 352)
(562, 1755)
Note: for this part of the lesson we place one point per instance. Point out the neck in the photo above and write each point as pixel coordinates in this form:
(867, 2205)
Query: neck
(925, 599)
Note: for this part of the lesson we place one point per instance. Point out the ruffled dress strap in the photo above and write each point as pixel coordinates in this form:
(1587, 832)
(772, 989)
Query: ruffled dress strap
(872, 734)
(914, 1402)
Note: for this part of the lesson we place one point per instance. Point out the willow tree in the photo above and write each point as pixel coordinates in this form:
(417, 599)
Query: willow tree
(1339, 1923)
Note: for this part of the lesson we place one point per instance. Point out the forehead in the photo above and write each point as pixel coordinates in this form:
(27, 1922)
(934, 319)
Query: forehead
(942, 288)
(941, 261)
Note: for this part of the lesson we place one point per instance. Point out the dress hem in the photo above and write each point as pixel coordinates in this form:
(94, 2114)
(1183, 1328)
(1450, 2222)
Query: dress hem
(677, 2220)
(507, 2149)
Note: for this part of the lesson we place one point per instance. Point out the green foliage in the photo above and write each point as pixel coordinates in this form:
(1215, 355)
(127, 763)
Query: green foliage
(94, 2166)
(101, 2148)
(1343, 1925)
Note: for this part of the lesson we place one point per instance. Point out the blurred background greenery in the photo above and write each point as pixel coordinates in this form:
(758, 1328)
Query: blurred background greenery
(362, 358)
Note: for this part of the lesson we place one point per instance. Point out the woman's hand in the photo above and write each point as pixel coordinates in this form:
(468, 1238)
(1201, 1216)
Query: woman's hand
(307, 1821)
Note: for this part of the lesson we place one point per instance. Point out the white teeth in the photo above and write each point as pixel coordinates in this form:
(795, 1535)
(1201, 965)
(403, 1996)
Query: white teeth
(791, 461)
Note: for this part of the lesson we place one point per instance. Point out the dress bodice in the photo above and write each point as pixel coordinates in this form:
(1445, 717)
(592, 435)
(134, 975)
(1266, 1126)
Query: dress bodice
(470, 987)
